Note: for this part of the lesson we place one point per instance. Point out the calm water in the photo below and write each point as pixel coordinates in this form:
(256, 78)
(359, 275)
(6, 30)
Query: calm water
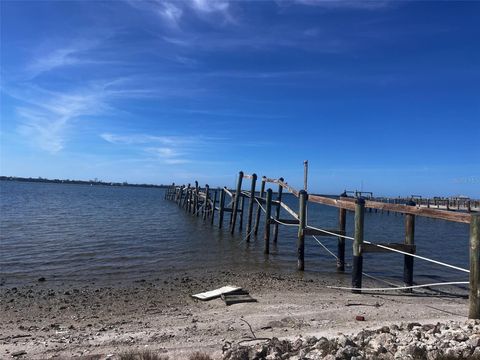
(79, 233)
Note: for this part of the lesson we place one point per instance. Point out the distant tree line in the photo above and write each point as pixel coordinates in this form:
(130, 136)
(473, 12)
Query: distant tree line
(81, 182)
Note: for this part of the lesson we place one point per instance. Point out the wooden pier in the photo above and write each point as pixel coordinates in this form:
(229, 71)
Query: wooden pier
(207, 202)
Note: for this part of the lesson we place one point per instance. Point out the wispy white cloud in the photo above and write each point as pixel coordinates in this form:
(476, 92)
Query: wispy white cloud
(167, 149)
(172, 12)
(45, 116)
(344, 4)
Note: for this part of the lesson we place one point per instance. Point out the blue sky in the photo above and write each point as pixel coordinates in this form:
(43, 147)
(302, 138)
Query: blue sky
(384, 94)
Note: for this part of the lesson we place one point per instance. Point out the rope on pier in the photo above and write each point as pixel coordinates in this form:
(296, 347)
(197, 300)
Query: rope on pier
(395, 250)
(326, 249)
(400, 287)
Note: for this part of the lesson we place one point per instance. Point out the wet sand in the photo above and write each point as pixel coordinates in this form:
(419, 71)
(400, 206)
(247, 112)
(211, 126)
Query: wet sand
(48, 320)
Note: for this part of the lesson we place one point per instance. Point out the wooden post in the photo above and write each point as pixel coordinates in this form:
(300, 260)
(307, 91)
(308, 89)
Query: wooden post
(236, 200)
(195, 199)
(221, 205)
(185, 199)
(180, 195)
(409, 240)
(250, 206)
(242, 210)
(259, 209)
(342, 219)
(474, 309)
(190, 201)
(357, 244)
(214, 205)
(469, 207)
(302, 198)
(277, 212)
(448, 204)
(305, 175)
(206, 205)
(268, 212)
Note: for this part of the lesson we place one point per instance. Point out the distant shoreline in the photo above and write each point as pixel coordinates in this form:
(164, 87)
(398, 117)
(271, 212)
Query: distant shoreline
(78, 182)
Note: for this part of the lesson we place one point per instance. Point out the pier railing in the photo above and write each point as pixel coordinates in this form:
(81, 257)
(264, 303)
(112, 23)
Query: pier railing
(205, 202)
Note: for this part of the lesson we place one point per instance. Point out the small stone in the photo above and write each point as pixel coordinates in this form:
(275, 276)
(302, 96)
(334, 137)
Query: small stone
(360, 318)
(42, 279)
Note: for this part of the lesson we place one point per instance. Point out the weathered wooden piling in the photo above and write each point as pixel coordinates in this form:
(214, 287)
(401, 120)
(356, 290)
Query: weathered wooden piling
(409, 240)
(214, 207)
(206, 204)
(474, 308)
(342, 219)
(277, 211)
(302, 214)
(357, 244)
(259, 209)
(250, 206)
(242, 208)
(268, 213)
(221, 208)
(236, 200)
(195, 199)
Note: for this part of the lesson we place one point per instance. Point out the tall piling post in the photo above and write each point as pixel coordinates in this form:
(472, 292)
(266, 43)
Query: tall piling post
(409, 240)
(190, 201)
(342, 220)
(221, 207)
(268, 212)
(474, 298)
(302, 213)
(250, 206)
(206, 204)
(185, 199)
(242, 210)
(259, 209)
(236, 200)
(277, 211)
(214, 207)
(195, 199)
(357, 244)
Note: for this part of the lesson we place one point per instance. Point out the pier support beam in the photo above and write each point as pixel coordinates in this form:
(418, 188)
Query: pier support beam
(236, 201)
(250, 207)
(195, 199)
(259, 209)
(357, 245)
(214, 207)
(206, 204)
(409, 240)
(474, 308)
(268, 213)
(277, 211)
(302, 213)
(221, 208)
(242, 208)
(342, 220)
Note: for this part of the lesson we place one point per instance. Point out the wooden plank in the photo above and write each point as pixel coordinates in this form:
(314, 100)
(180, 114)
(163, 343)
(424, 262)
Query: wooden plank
(289, 188)
(269, 180)
(310, 231)
(237, 298)
(229, 210)
(212, 294)
(247, 176)
(396, 246)
(405, 209)
(289, 210)
(287, 221)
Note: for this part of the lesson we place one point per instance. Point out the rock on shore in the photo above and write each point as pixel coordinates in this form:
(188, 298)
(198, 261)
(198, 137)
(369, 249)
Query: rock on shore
(451, 340)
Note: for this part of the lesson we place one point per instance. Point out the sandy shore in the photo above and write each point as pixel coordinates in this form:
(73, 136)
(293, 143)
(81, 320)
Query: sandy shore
(47, 320)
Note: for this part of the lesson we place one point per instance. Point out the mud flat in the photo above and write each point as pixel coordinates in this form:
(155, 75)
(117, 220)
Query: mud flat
(91, 321)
